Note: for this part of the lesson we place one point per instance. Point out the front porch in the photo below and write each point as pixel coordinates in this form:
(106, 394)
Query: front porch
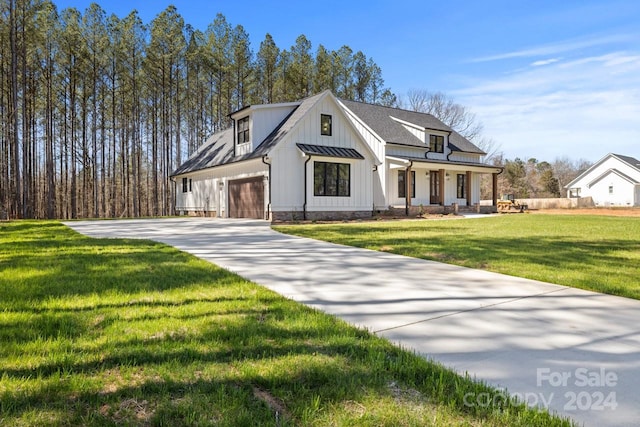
(431, 186)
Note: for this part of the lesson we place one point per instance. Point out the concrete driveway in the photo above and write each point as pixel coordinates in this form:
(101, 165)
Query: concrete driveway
(575, 352)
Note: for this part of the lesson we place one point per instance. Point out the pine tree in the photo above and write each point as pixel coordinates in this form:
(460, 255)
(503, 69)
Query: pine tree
(266, 69)
(241, 68)
(97, 111)
(301, 68)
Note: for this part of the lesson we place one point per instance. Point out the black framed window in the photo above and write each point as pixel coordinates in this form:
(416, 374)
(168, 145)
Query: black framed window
(243, 130)
(436, 143)
(190, 185)
(461, 186)
(402, 185)
(185, 185)
(325, 124)
(331, 179)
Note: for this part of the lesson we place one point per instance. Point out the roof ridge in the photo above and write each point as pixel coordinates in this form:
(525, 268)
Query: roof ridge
(390, 108)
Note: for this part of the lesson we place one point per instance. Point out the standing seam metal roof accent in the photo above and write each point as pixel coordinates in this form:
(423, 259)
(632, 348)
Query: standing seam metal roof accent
(323, 150)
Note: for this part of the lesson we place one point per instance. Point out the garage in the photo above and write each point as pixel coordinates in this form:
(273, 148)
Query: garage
(246, 198)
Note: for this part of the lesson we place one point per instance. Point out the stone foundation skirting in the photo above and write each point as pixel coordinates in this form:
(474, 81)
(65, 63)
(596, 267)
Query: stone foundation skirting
(438, 210)
(319, 215)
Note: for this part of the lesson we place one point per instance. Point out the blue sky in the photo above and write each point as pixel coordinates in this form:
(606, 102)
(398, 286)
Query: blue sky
(546, 78)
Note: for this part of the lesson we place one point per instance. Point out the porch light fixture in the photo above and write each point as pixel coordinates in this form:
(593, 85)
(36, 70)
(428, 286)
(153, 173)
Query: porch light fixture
(221, 184)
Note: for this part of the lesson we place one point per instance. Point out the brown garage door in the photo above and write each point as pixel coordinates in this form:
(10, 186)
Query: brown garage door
(246, 198)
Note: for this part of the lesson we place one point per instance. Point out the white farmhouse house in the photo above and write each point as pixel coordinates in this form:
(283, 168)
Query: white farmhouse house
(323, 157)
(613, 180)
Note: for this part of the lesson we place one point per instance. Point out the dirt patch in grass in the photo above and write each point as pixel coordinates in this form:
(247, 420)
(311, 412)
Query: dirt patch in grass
(631, 212)
(274, 403)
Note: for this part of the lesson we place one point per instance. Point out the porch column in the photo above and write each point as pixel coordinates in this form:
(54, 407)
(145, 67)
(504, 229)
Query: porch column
(467, 184)
(443, 185)
(495, 189)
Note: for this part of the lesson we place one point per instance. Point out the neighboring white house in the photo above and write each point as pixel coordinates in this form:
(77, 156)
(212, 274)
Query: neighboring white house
(323, 157)
(614, 180)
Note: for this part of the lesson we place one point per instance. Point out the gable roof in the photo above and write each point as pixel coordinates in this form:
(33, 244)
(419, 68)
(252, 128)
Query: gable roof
(219, 149)
(288, 124)
(381, 120)
(630, 161)
(609, 172)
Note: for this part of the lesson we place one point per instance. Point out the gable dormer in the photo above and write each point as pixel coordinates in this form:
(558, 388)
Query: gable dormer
(436, 141)
(254, 123)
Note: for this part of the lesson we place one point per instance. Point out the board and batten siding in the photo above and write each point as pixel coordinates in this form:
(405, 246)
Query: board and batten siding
(288, 164)
(265, 120)
(206, 193)
(465, 157)
(378, 147)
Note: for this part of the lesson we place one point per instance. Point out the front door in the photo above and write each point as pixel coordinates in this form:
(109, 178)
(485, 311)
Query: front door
(434, 179)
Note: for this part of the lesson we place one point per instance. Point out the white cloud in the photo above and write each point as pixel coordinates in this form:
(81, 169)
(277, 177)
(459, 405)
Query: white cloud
(559, 47)
(583, 108)
(544, 62)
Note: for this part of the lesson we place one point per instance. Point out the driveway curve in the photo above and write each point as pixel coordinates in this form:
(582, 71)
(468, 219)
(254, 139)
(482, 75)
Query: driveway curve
(572, 351)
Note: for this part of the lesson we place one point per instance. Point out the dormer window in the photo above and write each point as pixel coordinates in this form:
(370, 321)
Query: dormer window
(243, 130)
(436, 143)
(325, 124)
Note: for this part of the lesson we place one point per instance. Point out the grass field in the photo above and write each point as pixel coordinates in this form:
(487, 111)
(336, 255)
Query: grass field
(126, 332)
(599, 253)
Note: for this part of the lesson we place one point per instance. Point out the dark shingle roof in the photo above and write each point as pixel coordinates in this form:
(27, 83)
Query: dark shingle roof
(323, 150)
(632, 161)
(219, 150)
(380, 119)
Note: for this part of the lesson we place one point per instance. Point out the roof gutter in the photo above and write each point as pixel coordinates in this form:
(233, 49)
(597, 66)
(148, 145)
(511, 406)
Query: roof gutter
(264, 160)
(304, 206)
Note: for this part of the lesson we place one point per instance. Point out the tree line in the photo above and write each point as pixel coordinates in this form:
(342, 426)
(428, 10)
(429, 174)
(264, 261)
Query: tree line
(533, 178)
(539, 179)
(98, 110)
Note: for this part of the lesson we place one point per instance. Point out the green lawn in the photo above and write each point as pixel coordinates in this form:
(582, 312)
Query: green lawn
(127, 332)
(599, 253)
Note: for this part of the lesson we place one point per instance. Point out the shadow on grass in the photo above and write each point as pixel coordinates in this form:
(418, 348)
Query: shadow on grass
(191, 358)
(62, 263)
(179, 382)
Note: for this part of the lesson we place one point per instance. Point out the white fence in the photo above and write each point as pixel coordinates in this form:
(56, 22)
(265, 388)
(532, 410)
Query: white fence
(555, 203)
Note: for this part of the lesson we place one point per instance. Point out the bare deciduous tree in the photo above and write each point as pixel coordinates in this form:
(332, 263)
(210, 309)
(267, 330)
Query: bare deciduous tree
(454, 115)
